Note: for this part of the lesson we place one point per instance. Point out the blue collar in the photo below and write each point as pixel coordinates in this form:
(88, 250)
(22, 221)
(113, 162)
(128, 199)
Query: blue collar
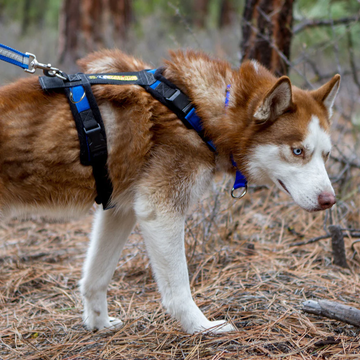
(195, 122)
(240, 179)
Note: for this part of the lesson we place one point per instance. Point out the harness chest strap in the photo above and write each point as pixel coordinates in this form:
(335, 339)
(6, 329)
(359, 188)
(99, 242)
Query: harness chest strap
(91, 133)
(90, 126)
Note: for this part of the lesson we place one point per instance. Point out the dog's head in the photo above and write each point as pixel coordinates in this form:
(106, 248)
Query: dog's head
(289, 142)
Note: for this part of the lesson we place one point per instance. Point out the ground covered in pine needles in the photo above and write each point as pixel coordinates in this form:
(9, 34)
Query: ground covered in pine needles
(243, 266)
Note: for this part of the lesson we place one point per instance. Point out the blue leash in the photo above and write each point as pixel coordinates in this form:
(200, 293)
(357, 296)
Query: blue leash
(28, 62)
(14, 57)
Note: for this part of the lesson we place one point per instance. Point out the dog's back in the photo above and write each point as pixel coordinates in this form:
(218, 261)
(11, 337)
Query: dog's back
(39, 146)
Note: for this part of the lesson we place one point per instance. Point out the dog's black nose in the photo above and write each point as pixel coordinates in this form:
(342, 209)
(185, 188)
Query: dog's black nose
(326, 200)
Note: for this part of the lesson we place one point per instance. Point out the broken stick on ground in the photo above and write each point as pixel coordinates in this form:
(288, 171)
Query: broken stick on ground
(333, 310)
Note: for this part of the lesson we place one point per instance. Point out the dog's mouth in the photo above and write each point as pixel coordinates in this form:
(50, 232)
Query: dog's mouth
(283, 185)
(307, 209)
(314, 210)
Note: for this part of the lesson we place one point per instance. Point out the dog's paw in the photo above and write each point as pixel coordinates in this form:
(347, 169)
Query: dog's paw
(213, 327)
(110, 323)
(219, 326)
(114, 324)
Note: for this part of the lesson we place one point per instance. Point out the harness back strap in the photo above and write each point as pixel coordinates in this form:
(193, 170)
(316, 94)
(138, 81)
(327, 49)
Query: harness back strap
(153, 82)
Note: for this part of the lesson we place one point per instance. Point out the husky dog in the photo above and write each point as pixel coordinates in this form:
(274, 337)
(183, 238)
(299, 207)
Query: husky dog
(276, 133)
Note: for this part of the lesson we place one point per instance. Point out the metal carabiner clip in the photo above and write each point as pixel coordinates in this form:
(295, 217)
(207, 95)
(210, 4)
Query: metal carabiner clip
(47, 69)
(243, 193)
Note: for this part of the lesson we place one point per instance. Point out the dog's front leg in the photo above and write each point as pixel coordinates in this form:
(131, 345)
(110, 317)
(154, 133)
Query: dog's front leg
(110, 231)
(164, 238)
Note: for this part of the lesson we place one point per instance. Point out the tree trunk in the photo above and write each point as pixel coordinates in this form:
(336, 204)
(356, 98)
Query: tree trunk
(227, 13)
(92, 23)
(267, 33)
(201, 9)
(121, 12)
(85, 24)
(69, 30)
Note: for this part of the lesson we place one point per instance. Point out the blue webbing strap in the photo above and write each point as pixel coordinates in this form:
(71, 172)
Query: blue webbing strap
(14, 57)
(193, 121)
(80, 99)
(184, 109)
(240, 179)
(91, 133)
(82, 104)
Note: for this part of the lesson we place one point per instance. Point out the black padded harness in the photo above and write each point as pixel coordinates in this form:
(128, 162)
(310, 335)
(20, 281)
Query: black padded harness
(89, 124)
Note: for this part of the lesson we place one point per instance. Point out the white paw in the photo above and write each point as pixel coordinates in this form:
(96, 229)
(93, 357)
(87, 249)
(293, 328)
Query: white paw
(114, 324)
(219, 326)
(109, 323)
(213, 327)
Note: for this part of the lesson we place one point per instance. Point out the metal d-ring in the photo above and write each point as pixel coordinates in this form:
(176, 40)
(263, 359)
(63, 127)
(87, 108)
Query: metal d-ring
(241, 195)
(72, 99)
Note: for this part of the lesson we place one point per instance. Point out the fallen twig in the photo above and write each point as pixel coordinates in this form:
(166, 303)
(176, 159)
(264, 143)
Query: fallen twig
(311, 240)
(333, 310)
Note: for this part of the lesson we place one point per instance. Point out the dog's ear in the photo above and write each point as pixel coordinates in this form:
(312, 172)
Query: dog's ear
(326, 94)
(276, 101)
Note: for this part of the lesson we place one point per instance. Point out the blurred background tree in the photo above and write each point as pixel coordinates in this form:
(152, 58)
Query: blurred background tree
(267, 33)
(87, 25)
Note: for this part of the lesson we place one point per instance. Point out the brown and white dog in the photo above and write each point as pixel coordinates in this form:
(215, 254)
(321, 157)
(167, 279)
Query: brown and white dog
(276, 132)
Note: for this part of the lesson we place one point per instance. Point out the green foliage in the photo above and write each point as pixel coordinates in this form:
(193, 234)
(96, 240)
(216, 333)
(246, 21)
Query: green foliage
(324, 39)
(36, 12)
(321, 8)
(173, 10)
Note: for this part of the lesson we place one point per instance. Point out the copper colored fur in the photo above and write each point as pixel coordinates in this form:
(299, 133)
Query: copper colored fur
(157, 166)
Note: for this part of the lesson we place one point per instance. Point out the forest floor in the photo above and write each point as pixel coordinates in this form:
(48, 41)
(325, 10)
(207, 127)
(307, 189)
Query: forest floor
(243, 266)
(250, 274)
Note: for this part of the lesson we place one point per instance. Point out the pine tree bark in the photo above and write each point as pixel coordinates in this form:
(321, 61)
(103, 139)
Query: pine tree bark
(92, 23)
(85, 26)
(226, 13)
(69, 30)
(201, 9)
(267, 34)
(122, 14)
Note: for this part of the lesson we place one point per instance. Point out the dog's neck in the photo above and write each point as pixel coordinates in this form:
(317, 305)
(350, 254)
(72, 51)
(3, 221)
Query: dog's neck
(205, 82)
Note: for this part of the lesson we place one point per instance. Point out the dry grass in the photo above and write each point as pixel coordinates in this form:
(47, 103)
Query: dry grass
(241, 266)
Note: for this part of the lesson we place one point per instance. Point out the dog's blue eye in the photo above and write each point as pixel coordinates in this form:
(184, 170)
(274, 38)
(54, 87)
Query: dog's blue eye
(297, 152)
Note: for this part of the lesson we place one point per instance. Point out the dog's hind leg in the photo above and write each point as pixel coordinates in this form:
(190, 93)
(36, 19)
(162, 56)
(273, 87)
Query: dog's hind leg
(164, 238)
(110, 231)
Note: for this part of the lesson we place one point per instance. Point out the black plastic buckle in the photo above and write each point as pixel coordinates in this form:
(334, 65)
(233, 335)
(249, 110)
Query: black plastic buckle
(180, 100)
(89, 131)
(175, 94)
(95, 141)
